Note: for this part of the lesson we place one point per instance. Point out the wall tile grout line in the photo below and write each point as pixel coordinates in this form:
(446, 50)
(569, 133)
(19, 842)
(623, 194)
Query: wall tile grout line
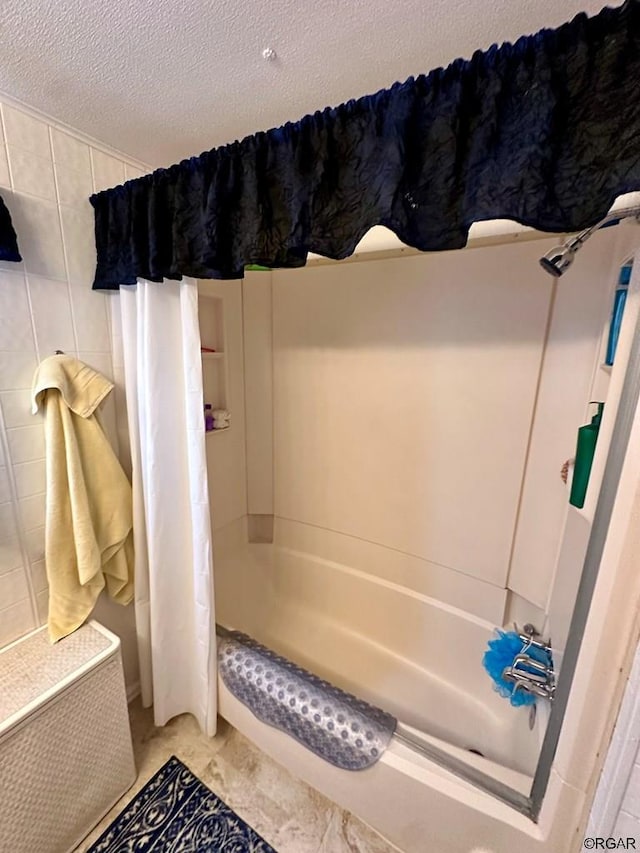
(18, 521)
(32, 317)
(64, 246)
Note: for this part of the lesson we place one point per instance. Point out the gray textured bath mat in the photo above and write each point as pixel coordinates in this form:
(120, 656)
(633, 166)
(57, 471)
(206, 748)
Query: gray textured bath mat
(335, 725)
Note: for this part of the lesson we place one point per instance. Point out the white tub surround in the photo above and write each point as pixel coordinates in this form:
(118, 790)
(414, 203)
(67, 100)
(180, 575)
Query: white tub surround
(393, 597)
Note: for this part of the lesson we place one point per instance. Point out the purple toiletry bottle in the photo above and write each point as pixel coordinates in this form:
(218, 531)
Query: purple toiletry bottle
(208, 418)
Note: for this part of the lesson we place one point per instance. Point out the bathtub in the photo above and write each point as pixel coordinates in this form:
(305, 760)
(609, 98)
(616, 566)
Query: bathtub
(413, 656)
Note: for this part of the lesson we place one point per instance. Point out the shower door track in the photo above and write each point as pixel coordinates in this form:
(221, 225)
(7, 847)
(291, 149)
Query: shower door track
(464, 771)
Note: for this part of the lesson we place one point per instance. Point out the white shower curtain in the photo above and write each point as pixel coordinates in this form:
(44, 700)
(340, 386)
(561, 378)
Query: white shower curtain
(173, 568)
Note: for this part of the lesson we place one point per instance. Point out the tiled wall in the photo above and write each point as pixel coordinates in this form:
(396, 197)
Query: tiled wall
(627, 824)
(47, 173)
(616, 807)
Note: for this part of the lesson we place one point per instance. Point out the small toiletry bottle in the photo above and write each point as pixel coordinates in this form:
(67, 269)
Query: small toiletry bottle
(585, 451)
(208, 417)
(619, 301)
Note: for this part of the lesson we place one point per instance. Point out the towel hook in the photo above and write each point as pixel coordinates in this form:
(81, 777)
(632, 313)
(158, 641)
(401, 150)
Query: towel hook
(59, 352)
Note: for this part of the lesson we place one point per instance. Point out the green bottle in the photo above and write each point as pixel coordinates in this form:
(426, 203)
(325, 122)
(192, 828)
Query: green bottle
(585, 451)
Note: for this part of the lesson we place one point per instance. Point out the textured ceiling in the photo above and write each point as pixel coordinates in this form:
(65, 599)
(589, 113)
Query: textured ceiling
(165, 79)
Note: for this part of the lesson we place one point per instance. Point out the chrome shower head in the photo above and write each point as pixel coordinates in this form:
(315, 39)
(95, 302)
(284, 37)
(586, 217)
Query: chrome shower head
(558, 260)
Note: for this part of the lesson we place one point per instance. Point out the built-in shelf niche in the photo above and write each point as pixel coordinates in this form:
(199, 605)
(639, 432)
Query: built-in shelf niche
(602, 377)
(212, 337)
(216, 431)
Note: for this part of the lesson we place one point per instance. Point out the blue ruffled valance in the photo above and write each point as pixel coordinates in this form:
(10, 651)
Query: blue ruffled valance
(545, 131)
(8, 240)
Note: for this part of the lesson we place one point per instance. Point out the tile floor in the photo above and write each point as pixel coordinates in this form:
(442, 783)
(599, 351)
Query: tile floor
(288, 814)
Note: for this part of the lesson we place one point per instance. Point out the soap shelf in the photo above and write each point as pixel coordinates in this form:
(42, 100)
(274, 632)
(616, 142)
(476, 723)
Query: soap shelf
(215, 365)
(214, 431)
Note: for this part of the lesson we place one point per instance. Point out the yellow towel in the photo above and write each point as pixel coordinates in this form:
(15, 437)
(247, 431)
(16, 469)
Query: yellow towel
(88, 533)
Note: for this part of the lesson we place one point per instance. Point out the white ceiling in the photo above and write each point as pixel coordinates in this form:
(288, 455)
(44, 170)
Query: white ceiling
(165, 79)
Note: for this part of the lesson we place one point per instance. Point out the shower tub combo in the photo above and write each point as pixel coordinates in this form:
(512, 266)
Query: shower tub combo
(462, 772)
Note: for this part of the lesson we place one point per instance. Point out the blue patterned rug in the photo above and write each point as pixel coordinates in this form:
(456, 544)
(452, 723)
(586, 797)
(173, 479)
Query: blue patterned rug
(176, 813)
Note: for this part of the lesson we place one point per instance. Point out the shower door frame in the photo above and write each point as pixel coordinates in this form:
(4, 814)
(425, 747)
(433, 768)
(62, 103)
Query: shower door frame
(624, 422)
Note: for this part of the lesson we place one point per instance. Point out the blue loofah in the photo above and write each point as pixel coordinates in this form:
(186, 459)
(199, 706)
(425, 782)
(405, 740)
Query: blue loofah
(500, 654)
